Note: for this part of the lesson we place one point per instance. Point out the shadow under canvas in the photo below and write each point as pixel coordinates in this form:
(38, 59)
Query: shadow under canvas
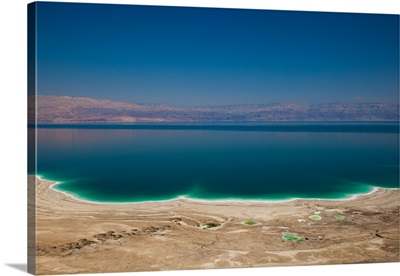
(19, 266)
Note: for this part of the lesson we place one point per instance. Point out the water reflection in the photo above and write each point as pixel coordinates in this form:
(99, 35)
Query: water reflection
(128, 164)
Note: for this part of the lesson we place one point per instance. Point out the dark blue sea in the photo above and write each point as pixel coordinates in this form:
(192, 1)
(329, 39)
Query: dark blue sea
(133, 163)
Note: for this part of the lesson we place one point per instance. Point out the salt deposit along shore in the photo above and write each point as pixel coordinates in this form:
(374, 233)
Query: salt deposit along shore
(74, 236)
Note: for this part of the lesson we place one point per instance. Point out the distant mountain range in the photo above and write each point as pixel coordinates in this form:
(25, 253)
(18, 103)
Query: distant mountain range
(62, 109)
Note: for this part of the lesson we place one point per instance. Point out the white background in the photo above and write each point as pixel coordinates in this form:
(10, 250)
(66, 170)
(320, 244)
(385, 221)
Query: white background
(13, 130)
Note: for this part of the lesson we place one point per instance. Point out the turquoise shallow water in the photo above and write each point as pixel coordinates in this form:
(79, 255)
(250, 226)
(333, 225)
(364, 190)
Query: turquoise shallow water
(110, 163)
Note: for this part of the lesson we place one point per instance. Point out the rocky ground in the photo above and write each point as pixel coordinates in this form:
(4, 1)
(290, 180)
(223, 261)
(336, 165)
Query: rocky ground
(83, 237)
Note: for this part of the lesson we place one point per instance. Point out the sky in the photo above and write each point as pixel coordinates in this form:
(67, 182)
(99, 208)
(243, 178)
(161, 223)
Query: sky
(202, 56)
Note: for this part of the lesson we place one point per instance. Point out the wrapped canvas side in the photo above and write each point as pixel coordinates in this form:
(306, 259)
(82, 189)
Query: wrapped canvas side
(31, 137)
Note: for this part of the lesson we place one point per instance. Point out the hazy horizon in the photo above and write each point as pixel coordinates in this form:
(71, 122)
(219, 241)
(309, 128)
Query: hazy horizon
(211, 105)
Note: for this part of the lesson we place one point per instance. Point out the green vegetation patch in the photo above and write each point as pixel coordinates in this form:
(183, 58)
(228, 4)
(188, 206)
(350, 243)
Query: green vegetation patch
(340, 217)
(250, 222)
(291, 237)
(315, 217)
(212, 224)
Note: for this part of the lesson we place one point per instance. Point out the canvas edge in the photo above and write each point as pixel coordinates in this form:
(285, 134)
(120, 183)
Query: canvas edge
(31, 133)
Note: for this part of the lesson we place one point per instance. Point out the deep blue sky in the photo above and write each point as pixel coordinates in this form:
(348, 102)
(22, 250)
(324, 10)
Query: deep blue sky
(200, 56)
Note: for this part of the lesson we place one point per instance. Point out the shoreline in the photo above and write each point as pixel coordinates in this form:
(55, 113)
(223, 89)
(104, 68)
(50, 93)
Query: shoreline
(349, 197)
(77, 236)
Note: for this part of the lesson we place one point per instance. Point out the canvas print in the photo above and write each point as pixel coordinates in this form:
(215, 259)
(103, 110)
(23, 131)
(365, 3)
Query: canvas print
(171, 138)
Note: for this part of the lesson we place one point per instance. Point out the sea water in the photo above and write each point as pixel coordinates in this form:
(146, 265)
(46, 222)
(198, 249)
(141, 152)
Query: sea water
(134, 163)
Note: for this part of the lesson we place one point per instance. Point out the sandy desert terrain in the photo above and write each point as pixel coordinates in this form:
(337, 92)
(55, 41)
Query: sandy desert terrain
(76, 236)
